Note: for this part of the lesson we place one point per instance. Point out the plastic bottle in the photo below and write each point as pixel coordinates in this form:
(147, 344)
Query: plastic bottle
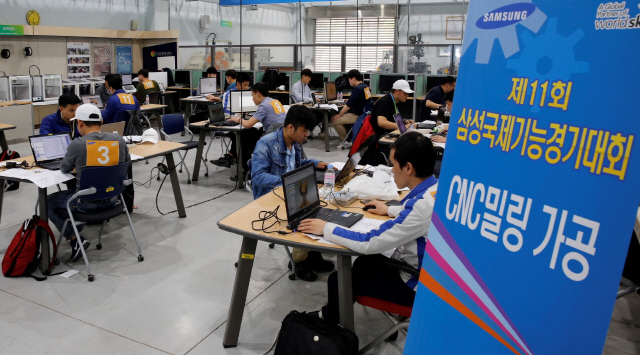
(146, 101)
(340, 95)
(329, 179)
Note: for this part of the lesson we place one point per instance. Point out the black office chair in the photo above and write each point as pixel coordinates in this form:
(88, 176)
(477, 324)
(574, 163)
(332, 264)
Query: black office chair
(154, 98)
(99, 183)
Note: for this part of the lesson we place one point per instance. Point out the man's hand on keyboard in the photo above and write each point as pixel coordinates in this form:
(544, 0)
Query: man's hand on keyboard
(213, 98)
(235, 119)
(312, 226)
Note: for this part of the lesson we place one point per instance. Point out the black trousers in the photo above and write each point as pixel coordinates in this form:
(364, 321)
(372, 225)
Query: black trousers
(249, 139)
(373, 278)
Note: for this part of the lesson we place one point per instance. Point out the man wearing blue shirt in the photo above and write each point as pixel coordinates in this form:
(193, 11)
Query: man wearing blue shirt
(280, 152)
(360, 96)
(300, 91)
(244, 82)
(119, 102)
(269, 112)
(230, 76)
(61, 120)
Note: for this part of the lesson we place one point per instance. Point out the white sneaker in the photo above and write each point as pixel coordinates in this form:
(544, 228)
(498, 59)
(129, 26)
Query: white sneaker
(346, 145)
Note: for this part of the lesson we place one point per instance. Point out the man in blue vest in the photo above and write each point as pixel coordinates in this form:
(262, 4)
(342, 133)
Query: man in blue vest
(60, 121)
(119, 102)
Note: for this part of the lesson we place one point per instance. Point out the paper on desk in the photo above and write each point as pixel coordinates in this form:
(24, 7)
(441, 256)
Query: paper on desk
(366, 225)
(256, 126)
(41, 177)
(135, 157)
(319, 239)
(441, 145)
(340, 166)
(331, 106)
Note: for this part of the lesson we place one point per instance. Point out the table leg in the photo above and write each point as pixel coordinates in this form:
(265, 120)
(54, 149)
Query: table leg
(196, 167)
(325, 116)
(239, 295)
(177, 194)
(159, 123)
(240, 182)
(44, 238)
(3, 141)
(345, 296)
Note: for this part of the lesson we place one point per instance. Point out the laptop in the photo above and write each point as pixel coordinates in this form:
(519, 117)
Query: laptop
(344, 175)
(216, 113)
(302, 200)
(401, 127)
(49, 149)
(117, 127)
(94, 100)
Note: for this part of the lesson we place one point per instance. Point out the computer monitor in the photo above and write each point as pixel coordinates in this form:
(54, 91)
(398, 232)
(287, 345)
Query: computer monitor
(317, 81)
(433, 81)
(241, 101)
(330, 92)
(207, 86)
(182, 77)
(160, 77)
(385, 82)
(126, 79)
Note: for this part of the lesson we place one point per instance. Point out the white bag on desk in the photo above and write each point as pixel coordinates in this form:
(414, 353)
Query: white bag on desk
(379, 187)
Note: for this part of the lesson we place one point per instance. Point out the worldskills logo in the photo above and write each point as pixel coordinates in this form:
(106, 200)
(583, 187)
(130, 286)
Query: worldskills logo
(153, 53)
(505, 16)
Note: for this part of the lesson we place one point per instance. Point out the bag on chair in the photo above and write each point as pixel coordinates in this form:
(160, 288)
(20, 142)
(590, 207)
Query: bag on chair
(23, 254)
(309, 335)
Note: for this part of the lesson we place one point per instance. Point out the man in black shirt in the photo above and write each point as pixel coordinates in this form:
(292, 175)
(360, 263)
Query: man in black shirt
(384, 110)
(360, 96)
(435, 97)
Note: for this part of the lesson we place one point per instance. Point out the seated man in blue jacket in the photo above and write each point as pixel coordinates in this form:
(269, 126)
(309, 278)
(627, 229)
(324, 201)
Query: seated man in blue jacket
(403, 238)
(119, 102)
(61, 120)
(277, 153)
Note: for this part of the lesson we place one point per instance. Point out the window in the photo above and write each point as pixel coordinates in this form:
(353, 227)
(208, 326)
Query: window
(353, 32)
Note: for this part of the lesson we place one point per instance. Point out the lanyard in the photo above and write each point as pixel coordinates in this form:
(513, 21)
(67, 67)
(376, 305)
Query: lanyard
(394, 102)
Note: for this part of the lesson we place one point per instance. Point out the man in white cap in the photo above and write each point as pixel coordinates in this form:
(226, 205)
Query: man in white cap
(384, 110)
(94, 148)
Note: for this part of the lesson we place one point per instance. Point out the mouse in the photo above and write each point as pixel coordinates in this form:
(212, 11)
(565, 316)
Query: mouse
(366, 208)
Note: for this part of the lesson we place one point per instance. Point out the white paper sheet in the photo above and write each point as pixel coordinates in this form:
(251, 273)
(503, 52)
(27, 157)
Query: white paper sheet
(41, 177)
(441, 145)
(135, 157)
(69, 273)
(319, 239)
(331, 106)
(366, 225)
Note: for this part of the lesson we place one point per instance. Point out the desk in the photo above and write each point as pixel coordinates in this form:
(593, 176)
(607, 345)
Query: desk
(3, 138)
(154, 108)
(325, 118)
(144, 150)
(388, 141)
(203, 136)
(239, 222)
(20, 115)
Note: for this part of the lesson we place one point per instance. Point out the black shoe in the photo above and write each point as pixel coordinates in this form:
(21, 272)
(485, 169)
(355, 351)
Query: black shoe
(234, 178)
(317, 262)
(304, 272)
(226, 161)
(76, 253)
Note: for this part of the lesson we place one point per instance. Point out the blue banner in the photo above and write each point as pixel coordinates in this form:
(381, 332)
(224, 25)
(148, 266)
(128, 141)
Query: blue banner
(538, 192)
(260, 2)
(124, 64)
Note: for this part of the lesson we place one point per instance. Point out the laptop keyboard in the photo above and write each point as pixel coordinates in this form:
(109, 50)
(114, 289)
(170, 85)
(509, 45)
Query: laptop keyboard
(51, 165)
(324, 214)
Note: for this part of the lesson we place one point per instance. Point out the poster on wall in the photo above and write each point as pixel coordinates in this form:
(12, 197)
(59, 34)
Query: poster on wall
(78, 60)
(538, 193)
(101, 60)
(123, 58)
(151, 54)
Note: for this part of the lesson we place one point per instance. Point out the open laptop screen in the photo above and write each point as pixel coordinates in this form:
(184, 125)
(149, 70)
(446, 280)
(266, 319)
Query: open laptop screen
(207, 86)
(93, 99)
(401, 127)
(300, 191)
(49, 147)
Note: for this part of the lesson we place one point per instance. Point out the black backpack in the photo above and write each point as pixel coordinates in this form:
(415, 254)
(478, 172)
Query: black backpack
(9, 155)
(271, 77)
(342, 83)
(302, 333)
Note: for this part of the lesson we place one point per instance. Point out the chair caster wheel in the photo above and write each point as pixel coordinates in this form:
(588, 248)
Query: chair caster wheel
(292, 277)
(392, 337)
(236, 264)
(207, 174)
(180, 171)
(140, 258)
(91, 278)
(271, 245)
(56, 262)
(99, 246)
(158, 178)
(188, 182)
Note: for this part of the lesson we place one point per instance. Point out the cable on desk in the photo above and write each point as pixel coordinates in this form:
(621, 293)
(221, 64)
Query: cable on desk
(265, 216)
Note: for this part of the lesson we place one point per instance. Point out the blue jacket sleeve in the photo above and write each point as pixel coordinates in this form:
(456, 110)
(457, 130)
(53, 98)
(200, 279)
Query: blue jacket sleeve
(304, 162)
(109, 111)
(260, 167)
(46, 126)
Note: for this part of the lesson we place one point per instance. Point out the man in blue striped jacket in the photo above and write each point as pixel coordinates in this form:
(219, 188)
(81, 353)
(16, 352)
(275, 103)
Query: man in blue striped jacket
(403, 237)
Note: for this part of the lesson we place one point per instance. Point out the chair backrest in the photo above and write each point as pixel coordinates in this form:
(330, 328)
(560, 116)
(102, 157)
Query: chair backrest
(173, 123)
(154, 98)
(107, 180)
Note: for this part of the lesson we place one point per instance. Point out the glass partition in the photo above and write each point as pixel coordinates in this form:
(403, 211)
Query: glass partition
(279, 57)
(424, 59)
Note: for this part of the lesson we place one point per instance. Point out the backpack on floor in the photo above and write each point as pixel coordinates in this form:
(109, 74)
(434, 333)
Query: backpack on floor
(23, 255)
(9, 155)
(302, 333)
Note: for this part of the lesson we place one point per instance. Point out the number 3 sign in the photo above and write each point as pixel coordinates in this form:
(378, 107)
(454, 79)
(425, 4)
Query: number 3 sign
(103, 153)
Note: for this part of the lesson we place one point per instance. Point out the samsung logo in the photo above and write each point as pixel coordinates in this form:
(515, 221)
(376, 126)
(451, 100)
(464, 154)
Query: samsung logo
(506, 15)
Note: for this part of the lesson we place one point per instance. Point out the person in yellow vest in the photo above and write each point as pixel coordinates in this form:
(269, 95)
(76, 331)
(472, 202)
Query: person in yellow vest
(145, 86)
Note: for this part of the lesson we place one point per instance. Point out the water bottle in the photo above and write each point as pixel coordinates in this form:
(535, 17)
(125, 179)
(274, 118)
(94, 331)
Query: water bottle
(329, 179)
(146, 101)
(340, 95)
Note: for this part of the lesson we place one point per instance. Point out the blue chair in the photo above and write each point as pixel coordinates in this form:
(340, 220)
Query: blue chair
(172, 124)
(99, 183)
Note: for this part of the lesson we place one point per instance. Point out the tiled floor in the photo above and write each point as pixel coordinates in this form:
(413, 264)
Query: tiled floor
(176, 301)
